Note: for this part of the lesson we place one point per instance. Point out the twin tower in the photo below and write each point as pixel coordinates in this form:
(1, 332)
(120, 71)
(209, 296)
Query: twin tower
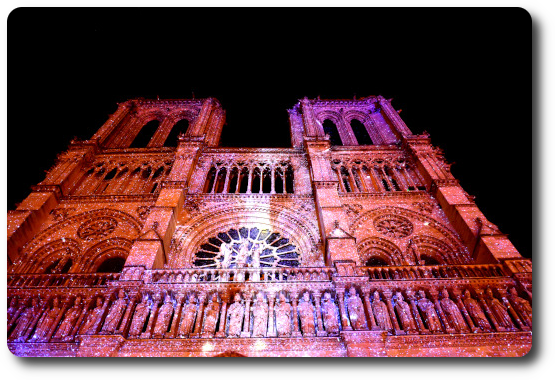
(150, 226)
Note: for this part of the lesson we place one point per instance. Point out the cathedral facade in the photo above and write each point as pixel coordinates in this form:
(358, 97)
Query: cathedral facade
(150, 239)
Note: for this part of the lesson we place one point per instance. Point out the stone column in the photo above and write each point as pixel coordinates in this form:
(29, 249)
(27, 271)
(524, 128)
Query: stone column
(156, 298)
(511, 310)
(417, 318)
(223, 316)
(321, 331)
(344, 318)
(200, 314)
(462, 308)
(369, 311)
(273, 179)
(128, 312)
(434, 294)
(271, 317)
(480, 295)
(296, 331)
(247, 324)
(179, 298)
(387, 295)
(249, 180)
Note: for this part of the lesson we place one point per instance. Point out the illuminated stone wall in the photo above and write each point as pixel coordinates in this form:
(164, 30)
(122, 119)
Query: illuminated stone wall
(150, 239)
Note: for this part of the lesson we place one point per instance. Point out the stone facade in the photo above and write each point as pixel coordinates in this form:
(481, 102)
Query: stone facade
(150, 239)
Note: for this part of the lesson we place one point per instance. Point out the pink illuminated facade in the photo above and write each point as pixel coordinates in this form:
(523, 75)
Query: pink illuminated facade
(150, 239)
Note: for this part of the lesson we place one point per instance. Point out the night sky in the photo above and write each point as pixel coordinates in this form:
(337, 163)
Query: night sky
(463, 75)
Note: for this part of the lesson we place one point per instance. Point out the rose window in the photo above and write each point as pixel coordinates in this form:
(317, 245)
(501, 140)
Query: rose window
(393, 226)
(247, 248)
(97, 228)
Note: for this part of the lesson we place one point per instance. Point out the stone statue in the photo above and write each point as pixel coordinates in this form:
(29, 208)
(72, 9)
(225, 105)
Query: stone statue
(283, 317)
(64, 331)
(356, 311)
(522, 306)
(241, 260)
(12, 309)
(499, 311)
(330, 314)
(430, 315)
(225, 254)
(476, 312)
(211, 314)
(453, 313)
(46, 322)
(260, 316)
(115, 313)
(403, 311)
(24, 322)
(235, 314)
(93, 319)
(306, 312)
(139, 317)
(164, 316)
(381, 313)
(257, 250)
(188, 317)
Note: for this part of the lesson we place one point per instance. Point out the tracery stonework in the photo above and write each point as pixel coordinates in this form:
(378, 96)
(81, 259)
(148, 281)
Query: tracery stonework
(151, 239)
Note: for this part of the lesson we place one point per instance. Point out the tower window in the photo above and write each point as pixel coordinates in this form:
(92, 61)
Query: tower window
(331, 129)
(145, 134)
(180, 127)
(360, 132)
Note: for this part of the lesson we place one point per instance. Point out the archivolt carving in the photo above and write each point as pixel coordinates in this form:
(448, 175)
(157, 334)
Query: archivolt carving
(74, 240)
(302, 233)
(116, 247)
(451, 239)
(380, 248)
(436, 249)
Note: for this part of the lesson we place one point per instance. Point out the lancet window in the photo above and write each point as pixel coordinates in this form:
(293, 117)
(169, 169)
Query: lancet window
(178, 128)
(376, 175)
(145, 134)
(250, 178)
(331, 129)
(124, 177)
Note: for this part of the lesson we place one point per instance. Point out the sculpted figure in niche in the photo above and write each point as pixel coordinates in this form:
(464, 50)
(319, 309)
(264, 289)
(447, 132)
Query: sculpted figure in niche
(306, 312)
(260, 316)
(64, 331)
(93, 319)
(164, 316)
(356, 311)
(430, 315)
(283, 317)
(476, 312)
(187, 317)
(453, 313)
(139, 317)
(403, 310)
(381, 313)
(12, 308)
(235, 315)
(46, 321)
(115, 313)
(522, 306)
(24, 322)
(330, 314)
(211, 314)
(499, 311)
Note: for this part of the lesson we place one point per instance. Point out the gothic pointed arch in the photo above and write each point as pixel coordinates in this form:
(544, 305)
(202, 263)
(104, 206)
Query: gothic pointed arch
(403, 225)
(277, 219)
(378, 248)
(107, 249)
(58, 256)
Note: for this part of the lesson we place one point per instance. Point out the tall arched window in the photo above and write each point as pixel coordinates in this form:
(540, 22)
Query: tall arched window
(361, 133)
(331, 129)
(179, 127)
(111, 265)
(145, 134)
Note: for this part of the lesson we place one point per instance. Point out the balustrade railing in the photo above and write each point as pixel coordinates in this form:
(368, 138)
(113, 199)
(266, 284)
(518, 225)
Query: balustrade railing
(434, 271)
(239, 275)
(60, 280)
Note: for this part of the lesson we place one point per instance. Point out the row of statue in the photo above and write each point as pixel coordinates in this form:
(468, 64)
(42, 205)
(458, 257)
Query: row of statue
(145, 316)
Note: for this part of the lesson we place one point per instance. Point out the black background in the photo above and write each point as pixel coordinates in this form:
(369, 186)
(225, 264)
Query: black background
(462, 74)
